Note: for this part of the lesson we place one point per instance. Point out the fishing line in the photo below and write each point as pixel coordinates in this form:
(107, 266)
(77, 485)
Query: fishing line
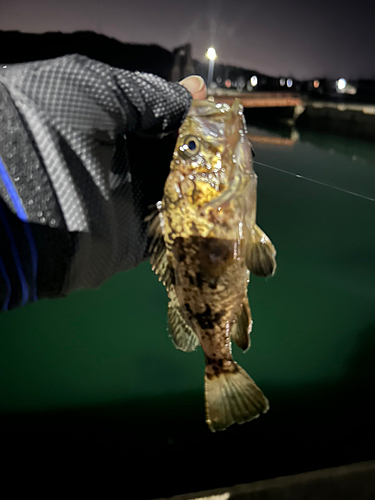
(331, 186)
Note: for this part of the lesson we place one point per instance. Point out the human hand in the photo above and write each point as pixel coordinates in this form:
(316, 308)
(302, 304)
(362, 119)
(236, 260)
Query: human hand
(91, 147)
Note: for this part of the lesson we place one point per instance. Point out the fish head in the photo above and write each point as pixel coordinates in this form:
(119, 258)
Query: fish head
(201, 141)
(213, 150)
(211, 168)
(210, 136)
(212, 144)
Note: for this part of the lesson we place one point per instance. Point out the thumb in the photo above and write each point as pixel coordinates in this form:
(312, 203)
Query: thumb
(196, 86)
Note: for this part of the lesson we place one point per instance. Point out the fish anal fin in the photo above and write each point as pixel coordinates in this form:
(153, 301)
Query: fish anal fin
(182, 334)
(232, 397)
(240, 332)
(260, 254)
(158, 252)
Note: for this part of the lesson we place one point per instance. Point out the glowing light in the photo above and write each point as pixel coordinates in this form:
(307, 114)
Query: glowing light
(254, 80)
(289, 82)
(241, 83)
(221, 496)
(282, 82)
(211, 54)
(316, 84)
(341, 83)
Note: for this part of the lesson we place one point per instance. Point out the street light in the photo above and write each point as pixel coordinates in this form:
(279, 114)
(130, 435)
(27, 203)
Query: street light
(254, 80)
(341, 84)
(211, 56)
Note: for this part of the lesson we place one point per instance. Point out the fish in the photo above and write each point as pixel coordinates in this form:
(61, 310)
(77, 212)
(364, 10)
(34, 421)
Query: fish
(204, 243)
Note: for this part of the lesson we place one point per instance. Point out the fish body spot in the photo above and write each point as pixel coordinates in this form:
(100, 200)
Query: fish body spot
(199, 280)
(207, 319)
(217, 251)
(188, 308)
(178, 249)
(191, 279)
(204, 319)
(213, 283)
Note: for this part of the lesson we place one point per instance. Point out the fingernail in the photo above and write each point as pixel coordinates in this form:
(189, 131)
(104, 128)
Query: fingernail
(193, 83)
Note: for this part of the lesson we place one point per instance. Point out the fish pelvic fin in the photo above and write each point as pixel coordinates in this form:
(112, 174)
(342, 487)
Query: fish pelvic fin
(182, 334)
(240, 332)
(231, 397)
(260, 254)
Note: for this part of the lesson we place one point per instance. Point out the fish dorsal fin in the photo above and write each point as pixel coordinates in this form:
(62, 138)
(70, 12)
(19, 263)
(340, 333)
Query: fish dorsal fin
(158, 254)
(240, 332)
(182, 334)
(260, 254)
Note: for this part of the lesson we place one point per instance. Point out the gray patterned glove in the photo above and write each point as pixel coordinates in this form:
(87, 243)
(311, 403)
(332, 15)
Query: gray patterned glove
(84, 150)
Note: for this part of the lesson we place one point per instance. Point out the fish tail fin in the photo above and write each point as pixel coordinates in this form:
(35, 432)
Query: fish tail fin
(260, 254)
(231, 397)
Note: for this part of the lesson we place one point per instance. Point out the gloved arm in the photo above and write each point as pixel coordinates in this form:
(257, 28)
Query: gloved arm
(82, 159)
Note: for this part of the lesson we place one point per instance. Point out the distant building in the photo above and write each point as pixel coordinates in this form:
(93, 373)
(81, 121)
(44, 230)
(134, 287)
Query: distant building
(183, 64)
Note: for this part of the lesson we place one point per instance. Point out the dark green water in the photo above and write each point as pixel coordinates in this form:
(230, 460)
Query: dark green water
(95, 376)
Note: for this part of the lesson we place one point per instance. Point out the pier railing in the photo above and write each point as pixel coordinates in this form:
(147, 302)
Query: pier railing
(259, 99)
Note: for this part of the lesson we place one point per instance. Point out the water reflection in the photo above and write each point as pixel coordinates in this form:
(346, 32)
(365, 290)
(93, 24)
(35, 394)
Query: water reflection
(347, 167)
(283, 134)
(269, 139)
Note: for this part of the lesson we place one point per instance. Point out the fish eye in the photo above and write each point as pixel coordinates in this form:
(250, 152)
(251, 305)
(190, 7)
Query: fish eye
(191, 146)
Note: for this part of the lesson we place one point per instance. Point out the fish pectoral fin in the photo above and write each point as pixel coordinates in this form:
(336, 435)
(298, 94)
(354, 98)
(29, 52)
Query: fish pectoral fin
(158, 252)
(182, 334)
(231, 397)
(260, 254)
(240, 332)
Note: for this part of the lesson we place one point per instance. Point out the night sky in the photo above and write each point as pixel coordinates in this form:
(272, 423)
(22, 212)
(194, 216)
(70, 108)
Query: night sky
(294, 38)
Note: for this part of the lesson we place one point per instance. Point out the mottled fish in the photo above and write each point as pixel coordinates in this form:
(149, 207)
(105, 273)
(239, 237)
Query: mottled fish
(205, 243)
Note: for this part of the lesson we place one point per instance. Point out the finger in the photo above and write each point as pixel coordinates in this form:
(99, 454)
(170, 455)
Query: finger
(196, 86)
